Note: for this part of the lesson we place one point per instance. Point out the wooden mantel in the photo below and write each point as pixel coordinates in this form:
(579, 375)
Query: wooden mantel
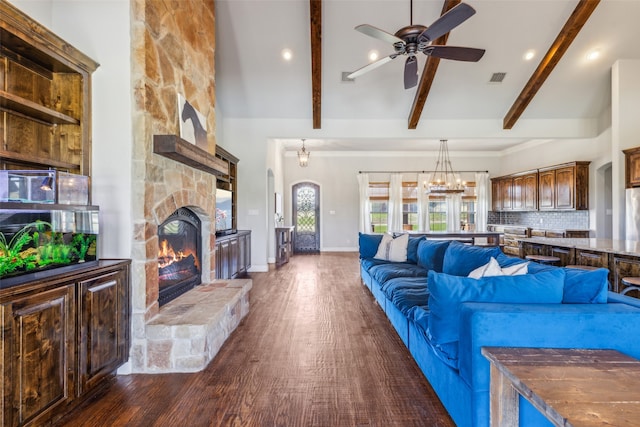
(176, 148)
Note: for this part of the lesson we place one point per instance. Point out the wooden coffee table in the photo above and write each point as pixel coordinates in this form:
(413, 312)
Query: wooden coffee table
(570, 387)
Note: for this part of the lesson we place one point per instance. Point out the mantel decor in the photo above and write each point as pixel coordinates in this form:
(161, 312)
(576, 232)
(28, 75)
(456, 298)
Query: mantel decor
(443, 179)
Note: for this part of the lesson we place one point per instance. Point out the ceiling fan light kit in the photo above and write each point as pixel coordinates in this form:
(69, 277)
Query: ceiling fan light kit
(413, 39)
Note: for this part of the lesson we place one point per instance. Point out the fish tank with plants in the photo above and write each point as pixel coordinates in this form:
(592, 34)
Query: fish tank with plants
(39, 240)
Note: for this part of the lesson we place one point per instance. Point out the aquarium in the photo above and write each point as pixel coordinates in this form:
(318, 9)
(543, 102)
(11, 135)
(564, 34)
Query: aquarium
(43, 186)
(39, 240)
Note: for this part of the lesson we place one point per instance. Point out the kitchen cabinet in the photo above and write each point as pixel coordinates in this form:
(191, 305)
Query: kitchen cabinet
(64, 336)
(553, 188)
(632, 167)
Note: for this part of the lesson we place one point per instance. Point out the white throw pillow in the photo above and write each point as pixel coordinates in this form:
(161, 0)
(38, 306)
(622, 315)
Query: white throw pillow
(492, 268)
(393, 249)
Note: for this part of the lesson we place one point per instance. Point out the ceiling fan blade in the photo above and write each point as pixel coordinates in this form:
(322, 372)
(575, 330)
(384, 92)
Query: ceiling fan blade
(371, 66)
(447, 22)
(379, 34)
(411, 72)
(457, 53)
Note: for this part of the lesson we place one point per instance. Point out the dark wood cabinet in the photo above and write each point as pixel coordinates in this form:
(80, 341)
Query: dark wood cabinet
(560, 187)
(104, 332)
(63, 336)
(45, 98)
(233, 255)
(632, 167)
(567, 255)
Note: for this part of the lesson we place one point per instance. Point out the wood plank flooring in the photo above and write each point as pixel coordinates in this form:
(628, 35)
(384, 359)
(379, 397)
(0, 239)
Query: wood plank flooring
(315, 350)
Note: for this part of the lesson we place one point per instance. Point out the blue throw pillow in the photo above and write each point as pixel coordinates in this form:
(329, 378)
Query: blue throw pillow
(461, 259)
(447, 292)
(431, 254)
(369, 244)
(412, 248)
(585, 287)
(508, 261)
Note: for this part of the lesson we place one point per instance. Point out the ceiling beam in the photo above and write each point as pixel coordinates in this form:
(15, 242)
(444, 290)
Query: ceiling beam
(566, 36)
(428, 74)
(315, 7)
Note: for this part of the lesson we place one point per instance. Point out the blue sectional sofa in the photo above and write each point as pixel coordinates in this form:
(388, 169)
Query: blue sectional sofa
(445, 317)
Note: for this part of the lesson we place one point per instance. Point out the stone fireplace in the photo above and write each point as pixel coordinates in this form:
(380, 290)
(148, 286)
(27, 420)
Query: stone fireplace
(179, 265)
(173, 46)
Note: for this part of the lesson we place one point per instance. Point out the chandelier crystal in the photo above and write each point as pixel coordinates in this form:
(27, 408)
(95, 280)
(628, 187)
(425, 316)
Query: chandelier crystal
(303, 156)
(443, 179)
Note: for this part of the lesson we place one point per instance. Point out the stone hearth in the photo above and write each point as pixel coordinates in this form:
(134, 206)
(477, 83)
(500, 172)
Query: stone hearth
(188, 332)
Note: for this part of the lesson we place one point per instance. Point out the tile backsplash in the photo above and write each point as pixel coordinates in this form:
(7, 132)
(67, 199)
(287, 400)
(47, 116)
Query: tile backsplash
(572, 220)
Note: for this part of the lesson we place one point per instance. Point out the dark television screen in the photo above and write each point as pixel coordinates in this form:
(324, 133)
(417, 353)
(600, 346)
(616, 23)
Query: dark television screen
(224, 220)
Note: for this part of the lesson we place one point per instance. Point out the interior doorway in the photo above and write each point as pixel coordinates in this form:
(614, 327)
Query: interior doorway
(306, 217)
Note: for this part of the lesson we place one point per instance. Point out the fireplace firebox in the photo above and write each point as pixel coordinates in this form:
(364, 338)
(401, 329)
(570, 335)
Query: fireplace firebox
(179, 253)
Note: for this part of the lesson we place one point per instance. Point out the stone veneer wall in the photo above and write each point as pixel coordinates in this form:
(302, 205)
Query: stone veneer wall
(173, 45)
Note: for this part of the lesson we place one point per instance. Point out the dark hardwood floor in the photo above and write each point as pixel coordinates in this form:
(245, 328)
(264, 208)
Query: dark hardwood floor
(315, 350)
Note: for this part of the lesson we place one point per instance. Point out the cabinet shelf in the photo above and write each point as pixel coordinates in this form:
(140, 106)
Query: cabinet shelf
(32, 111)
(34, 160)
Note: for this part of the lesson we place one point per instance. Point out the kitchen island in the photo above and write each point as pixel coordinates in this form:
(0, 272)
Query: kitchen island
(488, 238)
(621, 257)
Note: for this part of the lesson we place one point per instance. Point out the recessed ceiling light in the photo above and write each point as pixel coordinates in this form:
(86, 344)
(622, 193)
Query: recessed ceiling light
(287, 54)
(528, 56)
(373, 55)
(593, 55)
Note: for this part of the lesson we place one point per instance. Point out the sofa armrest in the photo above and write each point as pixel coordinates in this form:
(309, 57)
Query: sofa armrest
(611, 326)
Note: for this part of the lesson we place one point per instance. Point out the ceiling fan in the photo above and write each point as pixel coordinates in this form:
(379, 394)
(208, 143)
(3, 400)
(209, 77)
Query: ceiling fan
(413, 39)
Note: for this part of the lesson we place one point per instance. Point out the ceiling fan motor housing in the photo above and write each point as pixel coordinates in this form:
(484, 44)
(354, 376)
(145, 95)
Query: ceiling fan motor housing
(409, 35)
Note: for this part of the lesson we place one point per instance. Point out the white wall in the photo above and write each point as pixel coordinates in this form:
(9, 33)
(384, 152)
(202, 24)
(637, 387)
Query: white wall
(100, 29)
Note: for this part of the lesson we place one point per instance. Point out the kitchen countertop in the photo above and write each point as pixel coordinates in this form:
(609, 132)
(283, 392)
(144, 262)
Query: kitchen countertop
(620, 247)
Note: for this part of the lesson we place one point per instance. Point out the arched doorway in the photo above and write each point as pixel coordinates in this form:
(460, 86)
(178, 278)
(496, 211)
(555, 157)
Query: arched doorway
(305, 199)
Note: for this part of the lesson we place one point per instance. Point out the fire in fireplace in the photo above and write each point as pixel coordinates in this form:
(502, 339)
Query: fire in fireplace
(178, 254)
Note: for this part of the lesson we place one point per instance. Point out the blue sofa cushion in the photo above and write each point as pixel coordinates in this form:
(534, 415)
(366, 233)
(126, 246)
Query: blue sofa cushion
(383, 272)
(508, 261)
(367, 263)
(461, 259)
(412, 248)
(585, 287)
(368, 244)
(401, 284)
(431, 254)
(447, 292)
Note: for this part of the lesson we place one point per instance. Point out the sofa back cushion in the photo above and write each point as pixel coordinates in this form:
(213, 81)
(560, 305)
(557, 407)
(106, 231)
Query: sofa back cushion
(585, 287)
(447, 293)
(412, 248)
(461, 259)
(431, 254)
(368, 244)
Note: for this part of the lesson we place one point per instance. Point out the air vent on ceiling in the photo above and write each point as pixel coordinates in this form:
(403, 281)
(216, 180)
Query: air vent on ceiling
(347, 79)
(497, 77)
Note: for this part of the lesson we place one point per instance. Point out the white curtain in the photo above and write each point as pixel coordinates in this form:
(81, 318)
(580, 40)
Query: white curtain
(483, 190)
(454, 204)
(423, 203)
(365, 207)
(394, 214)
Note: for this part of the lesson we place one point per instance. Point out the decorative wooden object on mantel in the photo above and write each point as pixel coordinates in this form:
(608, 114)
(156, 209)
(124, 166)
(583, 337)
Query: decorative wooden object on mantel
(176, 148)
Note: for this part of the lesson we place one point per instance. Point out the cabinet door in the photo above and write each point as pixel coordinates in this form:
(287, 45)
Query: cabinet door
(632, 167)
(222, 260)
(506, 187)
(565, 188)
(496, 201)
(518, 193)
(546, 190)
(103, 314)
(567, 255)
(38, 357)
(530, 190)
(242, 254)
(233, 258)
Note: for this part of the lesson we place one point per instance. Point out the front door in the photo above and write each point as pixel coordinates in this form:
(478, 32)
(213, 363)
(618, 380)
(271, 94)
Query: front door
(306, 217)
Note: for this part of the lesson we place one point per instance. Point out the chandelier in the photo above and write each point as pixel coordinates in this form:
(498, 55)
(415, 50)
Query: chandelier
(443, 179)
(303, 156)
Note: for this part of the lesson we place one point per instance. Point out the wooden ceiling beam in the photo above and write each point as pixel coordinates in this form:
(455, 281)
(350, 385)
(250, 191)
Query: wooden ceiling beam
(428, 74)
(566, 36)
(315, 7)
